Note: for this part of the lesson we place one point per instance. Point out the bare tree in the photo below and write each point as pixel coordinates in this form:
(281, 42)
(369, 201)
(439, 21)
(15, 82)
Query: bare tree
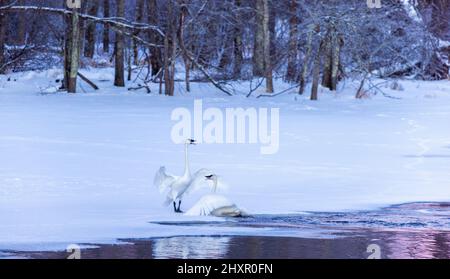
(267, 48)
(187, 62)
(258, 48)
(89, 48)
(312, 29)
(3, 22)
(106, 14)
(238, 42)
(291, 73)
(316, 73)
(337, 42)
(170, 50)
(83, 26)
(328, 58)
(436, 14)
(74, 52)
(119, 78)
(21, 26)
(332, 48)
(155, 52)
(262, 64)
(139, 14)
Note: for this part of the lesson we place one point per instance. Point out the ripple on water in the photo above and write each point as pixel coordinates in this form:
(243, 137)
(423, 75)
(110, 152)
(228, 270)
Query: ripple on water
(412, 215)
(403, 216)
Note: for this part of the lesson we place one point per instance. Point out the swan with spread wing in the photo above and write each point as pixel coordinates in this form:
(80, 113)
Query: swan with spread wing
(177, 187)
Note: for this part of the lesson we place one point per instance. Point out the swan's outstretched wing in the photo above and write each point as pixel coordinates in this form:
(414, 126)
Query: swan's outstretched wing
(163, 180)
(199, 180)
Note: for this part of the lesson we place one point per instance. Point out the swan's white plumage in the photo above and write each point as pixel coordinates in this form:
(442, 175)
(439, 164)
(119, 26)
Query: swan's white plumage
(215, 205)
(163, 180)
(178, 186)
(199, 181)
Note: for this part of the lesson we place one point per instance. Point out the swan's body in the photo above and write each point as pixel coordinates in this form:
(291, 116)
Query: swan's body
(215, 205)
(178, 186)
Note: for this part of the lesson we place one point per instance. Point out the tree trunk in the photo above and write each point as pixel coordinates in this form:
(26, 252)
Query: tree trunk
(129, 64)
(187, 62)
(170, 49)
(67, 48)
(173, 62)
(119, 79)
(291, 74)
(89, 48)
(272, 28)
(337, 41)
(156, 59)
(267, 48)
(258, 50)
(437, 22)
(106, 14)
(139, 12)
(306, 59)
(227, 47)
(74, 52)
(3, 25)
(238, 45)
(21, 26)
(167, 81)
(316, 73)
(328, 60)
(82, 26)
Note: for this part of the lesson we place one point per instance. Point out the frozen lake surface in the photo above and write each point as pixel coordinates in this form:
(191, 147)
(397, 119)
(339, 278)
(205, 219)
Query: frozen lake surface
(79, 168)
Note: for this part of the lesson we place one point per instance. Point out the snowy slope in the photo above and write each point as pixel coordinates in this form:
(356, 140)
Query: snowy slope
(79, 169)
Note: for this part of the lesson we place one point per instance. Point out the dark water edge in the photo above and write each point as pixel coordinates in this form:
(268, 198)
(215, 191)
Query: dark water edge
(408, 231)
(393, 245)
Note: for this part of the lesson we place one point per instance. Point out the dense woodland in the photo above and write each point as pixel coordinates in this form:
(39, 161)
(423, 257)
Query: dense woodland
(321, 42)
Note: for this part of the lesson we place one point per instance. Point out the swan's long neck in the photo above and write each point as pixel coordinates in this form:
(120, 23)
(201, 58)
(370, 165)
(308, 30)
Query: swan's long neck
(215, 185)
(187, 170)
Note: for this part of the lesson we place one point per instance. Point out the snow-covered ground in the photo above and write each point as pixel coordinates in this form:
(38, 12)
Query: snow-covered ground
(79, 168)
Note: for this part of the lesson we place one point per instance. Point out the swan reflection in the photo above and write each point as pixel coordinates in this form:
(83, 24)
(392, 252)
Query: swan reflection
(191, 247)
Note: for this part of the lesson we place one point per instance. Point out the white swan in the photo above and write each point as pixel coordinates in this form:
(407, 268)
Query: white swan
(215, 205)
(179, 186)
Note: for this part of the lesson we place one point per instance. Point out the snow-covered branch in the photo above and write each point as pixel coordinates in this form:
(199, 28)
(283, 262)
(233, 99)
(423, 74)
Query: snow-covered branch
(121, 23)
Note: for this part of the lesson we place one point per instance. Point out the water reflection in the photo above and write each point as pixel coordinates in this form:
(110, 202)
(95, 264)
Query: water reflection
(190, 247)
(394, 245)
(417, 245)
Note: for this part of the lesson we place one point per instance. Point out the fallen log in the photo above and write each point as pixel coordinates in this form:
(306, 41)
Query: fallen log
(85, 79)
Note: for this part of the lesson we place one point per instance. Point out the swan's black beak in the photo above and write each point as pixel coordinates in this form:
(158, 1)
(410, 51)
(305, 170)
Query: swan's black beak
(209, 177)
(193, 141)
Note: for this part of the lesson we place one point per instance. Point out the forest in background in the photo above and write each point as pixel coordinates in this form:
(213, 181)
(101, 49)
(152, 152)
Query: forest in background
(321, 42)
